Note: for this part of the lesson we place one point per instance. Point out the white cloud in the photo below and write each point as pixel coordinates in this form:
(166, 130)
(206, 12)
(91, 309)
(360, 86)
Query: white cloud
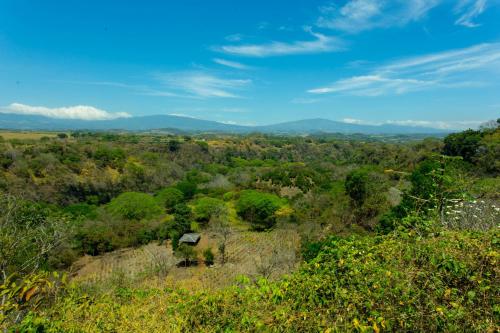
(202, 85)
(82, 112)
(438, 124)
(449, 69)
(229, 63)
(182, 115)
(373, 85)
(353, 121)
(229, 122)
(321, 43)
(360, 15)
(468, 11)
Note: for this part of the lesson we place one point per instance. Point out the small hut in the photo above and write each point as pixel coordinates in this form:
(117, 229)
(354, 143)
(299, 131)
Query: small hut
(190, 239)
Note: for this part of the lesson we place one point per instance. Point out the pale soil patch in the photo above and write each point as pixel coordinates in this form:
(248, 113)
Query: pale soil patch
(253, 254)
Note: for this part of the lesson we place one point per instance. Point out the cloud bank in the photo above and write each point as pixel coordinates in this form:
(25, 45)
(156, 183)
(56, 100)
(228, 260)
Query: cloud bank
(82, 112)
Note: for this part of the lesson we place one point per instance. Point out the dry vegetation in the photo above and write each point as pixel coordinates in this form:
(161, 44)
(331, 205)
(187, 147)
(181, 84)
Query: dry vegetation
(21, 135)
(270, 254)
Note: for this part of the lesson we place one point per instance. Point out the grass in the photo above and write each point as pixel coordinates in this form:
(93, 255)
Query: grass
(248, 254)
(25, 135)
(446, 281)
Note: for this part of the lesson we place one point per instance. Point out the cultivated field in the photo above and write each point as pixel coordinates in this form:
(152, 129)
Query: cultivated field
(252, 254)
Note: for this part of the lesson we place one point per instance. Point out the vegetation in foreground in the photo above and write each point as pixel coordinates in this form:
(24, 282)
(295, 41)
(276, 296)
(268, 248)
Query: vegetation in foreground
(400, 236)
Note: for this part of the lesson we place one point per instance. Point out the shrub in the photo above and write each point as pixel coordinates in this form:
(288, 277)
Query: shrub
(258, 208)
(134, 206)
(169, 197)
(187, 188)
(209, 257)
(207, 207)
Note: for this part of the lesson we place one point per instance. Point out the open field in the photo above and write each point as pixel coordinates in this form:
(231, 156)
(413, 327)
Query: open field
(26, 135)
(270, 254)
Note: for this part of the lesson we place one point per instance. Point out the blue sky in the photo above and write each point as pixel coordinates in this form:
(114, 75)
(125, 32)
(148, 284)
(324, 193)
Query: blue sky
(414, 62)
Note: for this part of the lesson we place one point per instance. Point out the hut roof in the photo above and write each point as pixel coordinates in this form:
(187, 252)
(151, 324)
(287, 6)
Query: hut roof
(190, 238)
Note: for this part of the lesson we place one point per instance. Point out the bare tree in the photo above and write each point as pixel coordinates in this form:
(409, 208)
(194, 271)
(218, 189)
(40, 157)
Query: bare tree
(220, 225)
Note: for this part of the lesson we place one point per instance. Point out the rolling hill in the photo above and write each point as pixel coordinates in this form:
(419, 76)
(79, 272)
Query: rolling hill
(170, 122)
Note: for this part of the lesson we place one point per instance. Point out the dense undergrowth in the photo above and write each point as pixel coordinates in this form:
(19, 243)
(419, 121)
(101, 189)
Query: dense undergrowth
(395, 236)
(443, 281)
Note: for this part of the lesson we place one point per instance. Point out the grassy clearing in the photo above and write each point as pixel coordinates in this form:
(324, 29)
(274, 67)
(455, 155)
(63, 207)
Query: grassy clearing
(251, 254)
(26, 135)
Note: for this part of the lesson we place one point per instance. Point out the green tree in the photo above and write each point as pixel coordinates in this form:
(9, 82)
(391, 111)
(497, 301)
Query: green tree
(169, 197)
(207, 207)
(465, 144)
(188, 188)
(258, 208)
(134, 206)
(209, 256)
(29, 233)
(356, 186)
(186, 253)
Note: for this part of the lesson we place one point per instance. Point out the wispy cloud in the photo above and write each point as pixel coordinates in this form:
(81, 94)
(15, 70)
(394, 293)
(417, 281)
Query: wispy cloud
(373, 85)
(439, 124)
(360, 15)
(202, 84)
(449, 69)
(320, 43)
(83, 112)
(469, 10)
(194, 84)
(229, 63)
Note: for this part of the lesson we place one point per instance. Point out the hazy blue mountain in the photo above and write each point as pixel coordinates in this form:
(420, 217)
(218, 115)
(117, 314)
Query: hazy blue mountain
(146, 123)
(330, 126)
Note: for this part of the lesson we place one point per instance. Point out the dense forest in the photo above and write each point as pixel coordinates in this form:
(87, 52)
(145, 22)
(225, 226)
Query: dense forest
(318, 233)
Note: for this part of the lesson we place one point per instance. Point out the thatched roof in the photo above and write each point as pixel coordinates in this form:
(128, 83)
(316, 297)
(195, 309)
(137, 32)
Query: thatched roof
(191, 238)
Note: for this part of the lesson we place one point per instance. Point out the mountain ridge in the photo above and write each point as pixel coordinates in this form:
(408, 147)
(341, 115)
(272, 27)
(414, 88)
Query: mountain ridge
(161, 122)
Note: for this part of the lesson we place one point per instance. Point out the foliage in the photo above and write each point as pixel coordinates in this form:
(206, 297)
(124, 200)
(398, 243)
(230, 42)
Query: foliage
(29, 235)
(356, 185)
(258, 208)
(188, 188)
(435, 184)
(187, 253)
(169, 197)
(134, 206)
(380, 283)
(27, 294)
(207, 207)
(465, 144)
(209, 256)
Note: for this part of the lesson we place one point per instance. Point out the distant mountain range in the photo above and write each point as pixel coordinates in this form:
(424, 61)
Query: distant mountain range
(185, 124)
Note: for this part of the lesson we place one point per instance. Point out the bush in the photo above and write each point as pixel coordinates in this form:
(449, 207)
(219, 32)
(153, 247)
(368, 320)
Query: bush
(134, 206)
(187, 188)
(169, 197)
(394, 283)
(356, 186)
(207, 207)
(209, 257)
(258, 208)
